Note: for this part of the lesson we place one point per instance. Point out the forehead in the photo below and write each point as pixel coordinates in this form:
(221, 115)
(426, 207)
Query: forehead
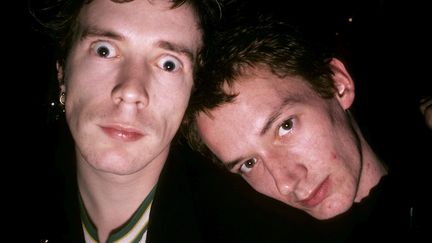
(136, 9)
(143, 18)
(259, 87)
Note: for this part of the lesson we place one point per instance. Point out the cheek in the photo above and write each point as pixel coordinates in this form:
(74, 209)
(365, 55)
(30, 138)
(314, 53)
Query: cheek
(81, 89)
(80, 101)
(344, 192)
(172, 97)
(77, 112)
(262, 182)
(346, 171)
(345, 163)
(333, 156)
(171, 109)
(347, 155)
(175, 109)
(262, 186)
(172, 94)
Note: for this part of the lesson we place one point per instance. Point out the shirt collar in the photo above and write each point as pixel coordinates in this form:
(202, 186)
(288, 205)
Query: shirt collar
(134, 230)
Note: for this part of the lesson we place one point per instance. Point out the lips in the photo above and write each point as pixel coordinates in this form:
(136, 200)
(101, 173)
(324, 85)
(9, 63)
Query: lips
(122, 133)
(318, 195)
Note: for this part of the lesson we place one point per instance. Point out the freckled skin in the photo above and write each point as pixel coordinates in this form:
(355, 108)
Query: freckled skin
(334, 156)
(321, 164)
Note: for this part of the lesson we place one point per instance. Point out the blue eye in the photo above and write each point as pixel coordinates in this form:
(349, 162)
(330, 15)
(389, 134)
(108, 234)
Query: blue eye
(104, 49)
(169, 64)
(247, 166)
(286, 127)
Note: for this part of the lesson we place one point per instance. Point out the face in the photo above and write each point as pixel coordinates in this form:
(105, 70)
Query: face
(128, 80)
(287, 142)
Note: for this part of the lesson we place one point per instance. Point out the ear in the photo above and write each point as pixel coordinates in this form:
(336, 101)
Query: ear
(60, 73)
(343, 83)
(60, 76)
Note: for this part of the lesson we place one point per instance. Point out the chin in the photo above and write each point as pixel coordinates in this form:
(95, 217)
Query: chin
(330, 209)
(119, 165)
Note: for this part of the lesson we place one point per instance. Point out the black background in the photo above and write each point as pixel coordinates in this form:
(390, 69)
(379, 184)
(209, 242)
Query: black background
(388, 53)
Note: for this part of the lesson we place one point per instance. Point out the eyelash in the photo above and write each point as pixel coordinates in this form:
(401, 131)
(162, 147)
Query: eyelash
(240, 170)
(291, 124)
(173, 60)
(112, 52)
(243, 169)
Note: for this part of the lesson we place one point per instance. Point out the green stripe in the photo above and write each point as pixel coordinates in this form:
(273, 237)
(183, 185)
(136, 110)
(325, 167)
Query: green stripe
(87, 223)
(134, 219)
(141, 233)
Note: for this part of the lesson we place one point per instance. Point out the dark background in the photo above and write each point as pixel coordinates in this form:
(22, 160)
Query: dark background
(386, 48)
(385, 45)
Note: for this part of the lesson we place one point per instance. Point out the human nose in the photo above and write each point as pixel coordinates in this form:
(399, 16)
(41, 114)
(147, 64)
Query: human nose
(132, 87)
(286, 175)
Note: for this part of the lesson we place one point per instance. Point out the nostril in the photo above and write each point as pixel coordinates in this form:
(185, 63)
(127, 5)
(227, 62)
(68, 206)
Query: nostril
(140, 105)
(130, 93)
(287, 180)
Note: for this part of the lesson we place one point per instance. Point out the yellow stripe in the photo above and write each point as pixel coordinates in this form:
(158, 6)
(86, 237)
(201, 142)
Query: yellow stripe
(88, 238)
(141, 224)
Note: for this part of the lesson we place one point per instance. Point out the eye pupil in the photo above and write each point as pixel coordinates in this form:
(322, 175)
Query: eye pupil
(250, 163)
(247, 166)
(169, 65)
(287, 125)
(103, 51)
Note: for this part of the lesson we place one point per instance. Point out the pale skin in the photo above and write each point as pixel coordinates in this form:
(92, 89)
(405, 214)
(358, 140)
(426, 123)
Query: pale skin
(292, 145)
(127, 81)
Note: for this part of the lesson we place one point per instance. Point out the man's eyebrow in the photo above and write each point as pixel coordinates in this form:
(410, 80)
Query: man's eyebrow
(177, 48)
(276, 113)
(95, 31)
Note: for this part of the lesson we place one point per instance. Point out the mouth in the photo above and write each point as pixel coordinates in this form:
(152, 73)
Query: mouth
(318, 195)
(122, 133)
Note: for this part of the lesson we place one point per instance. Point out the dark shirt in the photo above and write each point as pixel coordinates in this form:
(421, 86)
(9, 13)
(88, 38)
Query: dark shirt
(391, 213)
(394, 211)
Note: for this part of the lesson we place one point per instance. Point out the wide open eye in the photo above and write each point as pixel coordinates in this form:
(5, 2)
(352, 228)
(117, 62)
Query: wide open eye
(247, 166)
(169, 63)
(285, 127)
(104, 49)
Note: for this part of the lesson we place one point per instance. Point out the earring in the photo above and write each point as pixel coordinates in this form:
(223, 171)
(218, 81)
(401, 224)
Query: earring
(62, 98)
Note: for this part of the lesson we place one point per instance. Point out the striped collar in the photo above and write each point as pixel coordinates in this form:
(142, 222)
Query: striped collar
(134, 230)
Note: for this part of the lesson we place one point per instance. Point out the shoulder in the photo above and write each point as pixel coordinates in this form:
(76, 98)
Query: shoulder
(54, 213)
(396, 212)
(198, 202)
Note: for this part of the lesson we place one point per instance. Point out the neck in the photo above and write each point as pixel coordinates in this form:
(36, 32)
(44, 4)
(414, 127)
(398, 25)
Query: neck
(111, 199)
(372, 168)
